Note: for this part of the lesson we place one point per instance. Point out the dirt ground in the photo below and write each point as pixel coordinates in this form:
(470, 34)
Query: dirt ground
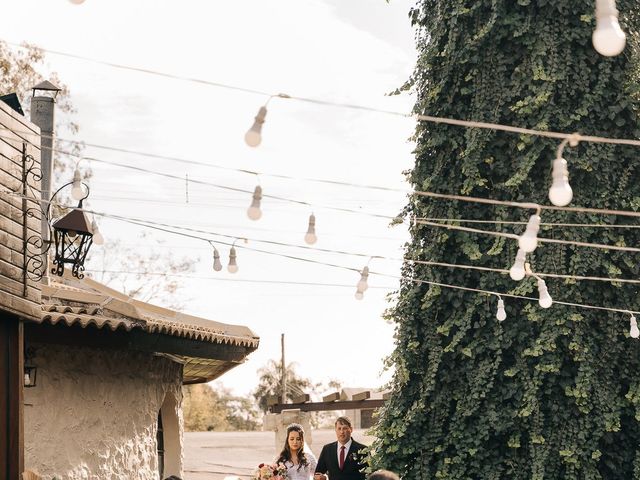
(215, 455)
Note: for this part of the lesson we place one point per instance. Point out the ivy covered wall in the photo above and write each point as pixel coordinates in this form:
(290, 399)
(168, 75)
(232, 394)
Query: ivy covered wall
(546, 394)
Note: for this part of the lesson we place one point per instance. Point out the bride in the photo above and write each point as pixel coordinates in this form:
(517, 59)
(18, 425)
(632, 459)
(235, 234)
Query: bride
(300, 462)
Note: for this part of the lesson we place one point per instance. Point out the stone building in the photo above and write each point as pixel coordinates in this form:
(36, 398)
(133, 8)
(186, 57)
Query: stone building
(92, 377)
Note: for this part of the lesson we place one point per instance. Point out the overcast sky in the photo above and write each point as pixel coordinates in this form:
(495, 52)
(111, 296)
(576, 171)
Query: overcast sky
(353, 51)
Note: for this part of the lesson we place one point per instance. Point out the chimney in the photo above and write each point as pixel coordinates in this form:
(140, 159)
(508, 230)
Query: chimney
(42, 114)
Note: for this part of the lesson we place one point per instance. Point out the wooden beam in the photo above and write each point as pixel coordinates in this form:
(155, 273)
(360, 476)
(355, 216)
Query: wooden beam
(361, 396)
(386, 395)
(273, 400)
(331, 397)
(328, 406)
(301, 398)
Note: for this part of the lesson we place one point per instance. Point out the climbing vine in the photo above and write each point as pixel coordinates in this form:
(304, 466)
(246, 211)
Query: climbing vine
(546, 394)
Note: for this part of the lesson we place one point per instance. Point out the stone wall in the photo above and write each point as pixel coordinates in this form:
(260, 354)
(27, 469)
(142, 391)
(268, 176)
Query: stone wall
(93, 414)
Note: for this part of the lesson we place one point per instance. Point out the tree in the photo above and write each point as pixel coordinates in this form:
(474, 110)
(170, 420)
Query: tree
(217, 409)
(270, 383)
(546, 394)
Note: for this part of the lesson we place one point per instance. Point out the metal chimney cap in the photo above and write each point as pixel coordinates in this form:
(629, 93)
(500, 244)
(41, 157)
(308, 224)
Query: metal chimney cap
(46, 86)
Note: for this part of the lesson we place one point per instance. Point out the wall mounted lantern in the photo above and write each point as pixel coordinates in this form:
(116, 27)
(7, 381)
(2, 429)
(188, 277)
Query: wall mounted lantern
(30, 370)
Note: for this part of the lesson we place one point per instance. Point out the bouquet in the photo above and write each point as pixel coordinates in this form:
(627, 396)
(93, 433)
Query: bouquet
(273, 471)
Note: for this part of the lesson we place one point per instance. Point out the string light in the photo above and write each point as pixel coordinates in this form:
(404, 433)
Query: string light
(560, 193)
(501, 313)
(98, 239)
(528, 241)
(545, 300)
(77, 193)
(253, 137)
(217, 264)
(254, 212)
(633, 327)
(310, 237)
(608, 38)
(517, 271)
(233, 265)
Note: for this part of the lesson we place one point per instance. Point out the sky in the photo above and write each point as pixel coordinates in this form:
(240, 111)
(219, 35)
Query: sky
(345, 52)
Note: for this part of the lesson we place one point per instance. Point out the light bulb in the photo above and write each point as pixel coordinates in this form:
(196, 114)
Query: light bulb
(233, 265)
(310, 238)
(254, 212)
(362, 284)
(545, 299)
(217, 264)
(27, 380)
(76, 188)
(608, 38)
(560, 193)
(72, 233)
(517, 272)
(501, 314)
(76, 2)
(528, 241)
(359, 294)
(633, 328)
(253, 137)
(98, 239)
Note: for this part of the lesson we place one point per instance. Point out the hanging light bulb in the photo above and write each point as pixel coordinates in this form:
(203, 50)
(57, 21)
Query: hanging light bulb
(501, 314)
(253, 137)
(560, 193)
(76, 188)
(359, 294)
(310, 238)
(254, 212)
(633, 327)
(608, 38)
(517, 271)
(233, 265)
(528, 241)
(545, 299)
(76, 2)
(98, 239)
(364, 276)
(217, 264)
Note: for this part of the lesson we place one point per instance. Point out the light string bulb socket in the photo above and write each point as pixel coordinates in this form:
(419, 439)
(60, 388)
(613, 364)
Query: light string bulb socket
(528, 241)
(501, 313)
(253, 137)
(254, 212)
(310, 237)
(608, 38)
(517, 271)
(633, 327)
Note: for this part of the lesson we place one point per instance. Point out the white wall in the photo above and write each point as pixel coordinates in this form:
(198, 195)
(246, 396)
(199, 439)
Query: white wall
(93, 414)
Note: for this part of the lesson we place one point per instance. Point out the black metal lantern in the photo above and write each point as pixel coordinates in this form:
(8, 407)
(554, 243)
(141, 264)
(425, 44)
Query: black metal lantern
(30, 370)
(73, 237)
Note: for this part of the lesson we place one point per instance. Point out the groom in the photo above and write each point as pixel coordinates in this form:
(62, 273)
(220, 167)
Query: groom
(344, 459)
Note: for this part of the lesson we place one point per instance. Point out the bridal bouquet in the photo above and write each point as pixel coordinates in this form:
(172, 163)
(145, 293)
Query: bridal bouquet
(273, 471)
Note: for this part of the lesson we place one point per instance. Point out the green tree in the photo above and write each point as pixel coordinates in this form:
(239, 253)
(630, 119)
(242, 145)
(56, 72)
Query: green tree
(546, 394)
(270, 383)
(217, 409)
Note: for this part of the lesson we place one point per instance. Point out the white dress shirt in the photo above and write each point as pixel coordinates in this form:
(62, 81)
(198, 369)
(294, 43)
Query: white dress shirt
(347, 446)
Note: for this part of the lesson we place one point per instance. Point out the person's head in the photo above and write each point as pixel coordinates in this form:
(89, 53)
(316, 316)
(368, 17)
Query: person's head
(343, 429)
(383, 475)
(295, 437)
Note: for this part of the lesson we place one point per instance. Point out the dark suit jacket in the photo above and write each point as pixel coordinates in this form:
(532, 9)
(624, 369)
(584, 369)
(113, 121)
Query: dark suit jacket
(353, 462)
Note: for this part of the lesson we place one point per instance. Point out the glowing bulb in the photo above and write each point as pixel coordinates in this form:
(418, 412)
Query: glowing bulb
(545, 299)
(310, 238)
(501, 314)
(362, 284)
(254, 212)
(76, 188)
(608, 38)
(233, 265)
(359, 294)
(517, 272)
(528, 241)
(560, 193)
(27, 380)
(633, 328)
(217, 264)
(98, 239)
(254, 136)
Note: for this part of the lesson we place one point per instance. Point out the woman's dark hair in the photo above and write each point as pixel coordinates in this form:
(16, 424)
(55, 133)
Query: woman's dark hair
(285, 455)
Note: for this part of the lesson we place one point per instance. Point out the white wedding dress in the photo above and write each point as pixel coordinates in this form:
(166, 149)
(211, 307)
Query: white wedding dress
(303, 473)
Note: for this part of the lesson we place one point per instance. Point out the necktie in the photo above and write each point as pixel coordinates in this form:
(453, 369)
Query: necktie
(341, 464)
